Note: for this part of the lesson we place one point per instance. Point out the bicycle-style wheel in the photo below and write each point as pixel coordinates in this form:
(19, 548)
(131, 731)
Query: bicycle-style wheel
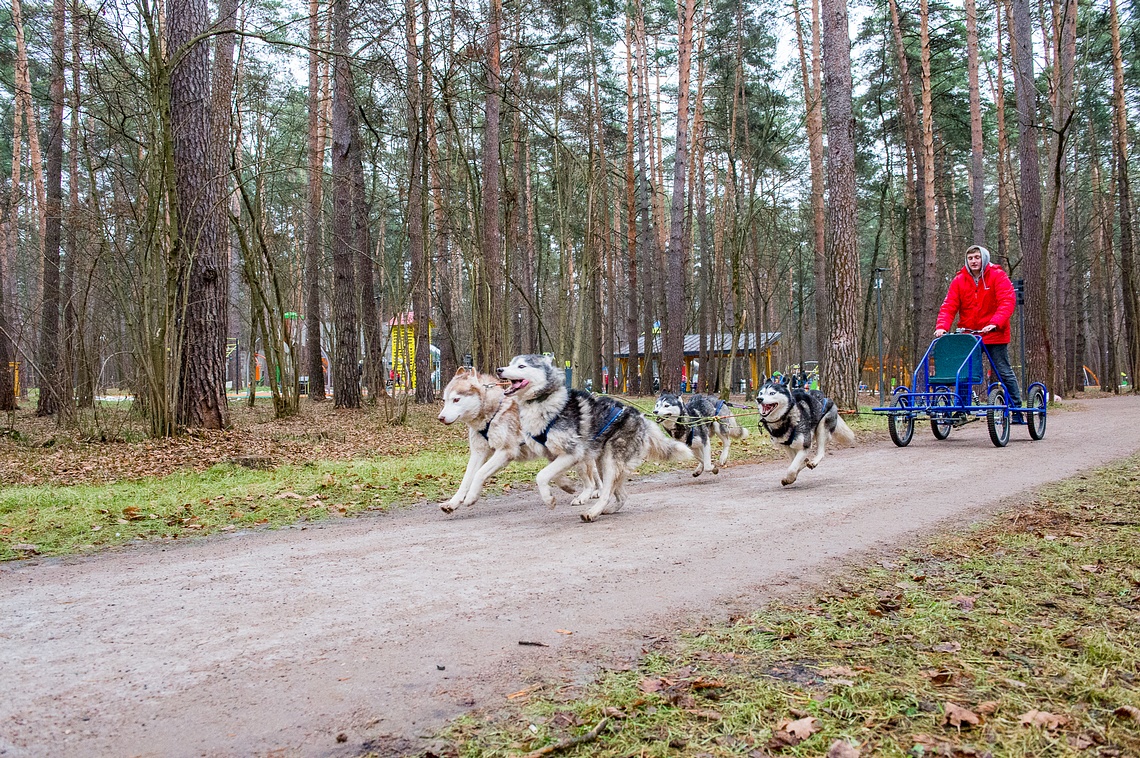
(901, 423)
(998, 419)
(940, 421)
(1035, 419)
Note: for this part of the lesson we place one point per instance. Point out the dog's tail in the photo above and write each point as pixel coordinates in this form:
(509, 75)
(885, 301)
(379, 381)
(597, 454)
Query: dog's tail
(843, 433)
(664, 448)
(733, 428)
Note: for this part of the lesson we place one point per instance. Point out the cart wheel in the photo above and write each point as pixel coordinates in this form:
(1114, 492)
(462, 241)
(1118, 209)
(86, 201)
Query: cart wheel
(940, 421)
(901, 425)
(1036, 421)
(998, 420)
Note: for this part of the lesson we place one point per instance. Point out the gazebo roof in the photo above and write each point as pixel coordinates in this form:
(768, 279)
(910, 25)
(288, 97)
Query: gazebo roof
(718, 344)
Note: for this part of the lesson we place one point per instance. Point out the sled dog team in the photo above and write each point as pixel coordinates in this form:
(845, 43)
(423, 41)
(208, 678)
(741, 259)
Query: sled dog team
(526, 412)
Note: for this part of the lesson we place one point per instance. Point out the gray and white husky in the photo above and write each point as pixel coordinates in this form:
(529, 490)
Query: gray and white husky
(694, 422)
(799, 419)
(575, 426)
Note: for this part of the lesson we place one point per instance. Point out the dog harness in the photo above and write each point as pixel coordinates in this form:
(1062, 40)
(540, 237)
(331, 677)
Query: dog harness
(614, 416)
(484, 430)
(540, 438)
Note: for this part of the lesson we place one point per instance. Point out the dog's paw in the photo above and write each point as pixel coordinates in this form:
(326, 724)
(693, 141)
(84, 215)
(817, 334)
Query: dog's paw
(550, 502)
(699, 471)
(578, 501)
(812, 464)
(586, 517)
(788, 480)
(446, 507)
(716, 469)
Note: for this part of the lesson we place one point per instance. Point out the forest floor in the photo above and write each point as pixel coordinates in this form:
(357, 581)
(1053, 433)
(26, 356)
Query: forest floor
(369, 635)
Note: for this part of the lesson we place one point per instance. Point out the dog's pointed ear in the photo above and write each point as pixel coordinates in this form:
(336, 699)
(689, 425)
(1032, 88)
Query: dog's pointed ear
(763, 379)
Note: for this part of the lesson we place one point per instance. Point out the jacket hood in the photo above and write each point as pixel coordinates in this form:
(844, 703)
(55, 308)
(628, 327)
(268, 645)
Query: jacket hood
(985, 257)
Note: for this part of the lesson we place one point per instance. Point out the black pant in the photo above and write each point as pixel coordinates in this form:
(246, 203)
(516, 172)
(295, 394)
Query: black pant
(999, 357)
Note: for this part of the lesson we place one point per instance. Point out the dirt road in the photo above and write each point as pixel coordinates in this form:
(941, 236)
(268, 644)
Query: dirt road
(383, 628)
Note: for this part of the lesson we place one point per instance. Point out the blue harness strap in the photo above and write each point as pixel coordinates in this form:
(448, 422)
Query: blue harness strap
(540, 438)
(614, 416)
(718, 407)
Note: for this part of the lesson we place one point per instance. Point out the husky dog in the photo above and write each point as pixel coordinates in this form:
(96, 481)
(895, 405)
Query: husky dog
(798, 419)
(695, 422)
(494, 435)
(575, 426)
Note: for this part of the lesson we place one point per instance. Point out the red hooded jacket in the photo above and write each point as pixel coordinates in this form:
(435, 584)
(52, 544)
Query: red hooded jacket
(990, 300)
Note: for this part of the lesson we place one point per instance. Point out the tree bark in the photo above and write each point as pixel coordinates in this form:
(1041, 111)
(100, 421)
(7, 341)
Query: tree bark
(346, 384)
(675, 310)
(977, 168)
(50, 379)
(633, 379)
(488, 320)
(315, 210)
(814, 100)
(1130, 285)
(201, 399)
(420, 271)
(842, 364)
(1037, 334)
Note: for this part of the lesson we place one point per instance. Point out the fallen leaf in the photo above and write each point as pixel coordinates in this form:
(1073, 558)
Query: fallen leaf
(1044, 719)
(651, 685)
(1127, 712)
(988, 708)
(803, 728)
(289, 496)
(563, 631)
(1080, 741)
(24, 547)
(965, 602)
(96, 527)
(122, 521)
(706, 714)
(947, 647)
(939, 676)
(957, 716)
(831, 671)
(614, 713)
(841, 749)
(1092, 568)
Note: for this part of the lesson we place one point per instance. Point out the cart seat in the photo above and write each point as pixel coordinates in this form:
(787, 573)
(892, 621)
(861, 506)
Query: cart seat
(950, 352)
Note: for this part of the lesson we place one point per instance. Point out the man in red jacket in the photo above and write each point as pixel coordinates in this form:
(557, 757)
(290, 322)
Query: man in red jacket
(982, 297)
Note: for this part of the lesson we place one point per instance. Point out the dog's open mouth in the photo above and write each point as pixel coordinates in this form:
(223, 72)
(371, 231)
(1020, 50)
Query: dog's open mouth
(516, 385)
(766, 408)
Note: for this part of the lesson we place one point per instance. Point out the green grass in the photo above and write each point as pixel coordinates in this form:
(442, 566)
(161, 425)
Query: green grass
(60, 520)
(1036, 610)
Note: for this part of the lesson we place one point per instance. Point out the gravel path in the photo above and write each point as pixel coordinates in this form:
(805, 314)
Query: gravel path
(382, 628)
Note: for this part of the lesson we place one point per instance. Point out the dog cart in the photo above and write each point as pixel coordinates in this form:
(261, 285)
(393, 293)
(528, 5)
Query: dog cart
(949, 388)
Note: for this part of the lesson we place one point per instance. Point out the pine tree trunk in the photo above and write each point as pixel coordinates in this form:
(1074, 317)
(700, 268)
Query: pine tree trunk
(633, 379)
(314, 212)
(1003, 141)
(489, 321)
(346, 381)
(1037, 333)
(916, 193)
(675, 309)
(930, 211)
(842, 364)
(977, 168)
(417, 251)
(201, 399)
(50, 378)
(1130, 285)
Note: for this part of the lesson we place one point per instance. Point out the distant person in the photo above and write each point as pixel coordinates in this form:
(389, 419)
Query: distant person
(982, 298)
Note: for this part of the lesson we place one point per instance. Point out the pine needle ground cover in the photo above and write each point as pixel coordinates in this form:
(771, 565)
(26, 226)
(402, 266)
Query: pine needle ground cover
(1018, 638)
